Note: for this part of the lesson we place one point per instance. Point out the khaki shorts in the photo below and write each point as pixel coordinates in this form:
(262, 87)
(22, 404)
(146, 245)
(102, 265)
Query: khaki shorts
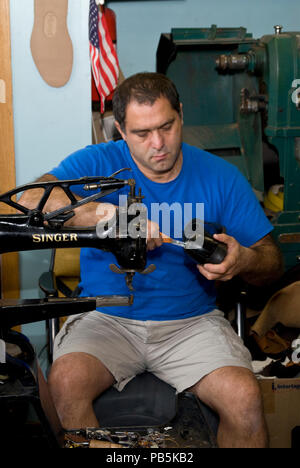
(179, 352)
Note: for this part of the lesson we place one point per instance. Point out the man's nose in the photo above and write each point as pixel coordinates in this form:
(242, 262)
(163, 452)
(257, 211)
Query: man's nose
(157, 140)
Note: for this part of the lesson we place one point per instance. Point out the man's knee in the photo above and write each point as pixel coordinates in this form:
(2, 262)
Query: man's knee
(75, 380)
(78, 374)
(245, 413)
(242, 396)
(63, 375)
(235, 395)
(245, 404)
(231, 391)
(243, 409)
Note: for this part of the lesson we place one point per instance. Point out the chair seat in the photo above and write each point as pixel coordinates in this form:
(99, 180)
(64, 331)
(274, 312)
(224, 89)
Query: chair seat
(145, 401)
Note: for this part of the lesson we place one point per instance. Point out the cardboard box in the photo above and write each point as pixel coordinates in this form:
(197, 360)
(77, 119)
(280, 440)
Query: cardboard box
(282, 409)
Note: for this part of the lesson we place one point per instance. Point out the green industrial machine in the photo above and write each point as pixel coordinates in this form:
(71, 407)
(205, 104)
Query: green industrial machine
(241, 101)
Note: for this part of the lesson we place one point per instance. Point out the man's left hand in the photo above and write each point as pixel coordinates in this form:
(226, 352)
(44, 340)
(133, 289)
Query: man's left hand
(233, 263)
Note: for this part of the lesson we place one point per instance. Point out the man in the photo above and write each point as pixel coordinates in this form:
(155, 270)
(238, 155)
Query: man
(173, 328)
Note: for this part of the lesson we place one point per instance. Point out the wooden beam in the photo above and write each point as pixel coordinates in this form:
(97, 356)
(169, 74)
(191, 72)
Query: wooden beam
(9, 262)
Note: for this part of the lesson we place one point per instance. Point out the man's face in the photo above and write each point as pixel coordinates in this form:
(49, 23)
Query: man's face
(154, 135)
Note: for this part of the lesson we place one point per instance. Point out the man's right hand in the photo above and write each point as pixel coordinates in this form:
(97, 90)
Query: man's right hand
(154, 238)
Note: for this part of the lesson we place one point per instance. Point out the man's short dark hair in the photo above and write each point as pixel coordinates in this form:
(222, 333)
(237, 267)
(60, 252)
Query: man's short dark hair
(145, 88)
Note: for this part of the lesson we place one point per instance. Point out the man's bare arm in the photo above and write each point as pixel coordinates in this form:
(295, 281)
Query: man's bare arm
(259, 264)
(86, 215)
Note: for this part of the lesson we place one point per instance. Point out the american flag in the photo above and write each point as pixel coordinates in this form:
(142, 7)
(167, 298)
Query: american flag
(104, 60)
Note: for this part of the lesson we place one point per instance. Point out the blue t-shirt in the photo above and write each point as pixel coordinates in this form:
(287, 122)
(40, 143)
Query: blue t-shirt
(176, 289)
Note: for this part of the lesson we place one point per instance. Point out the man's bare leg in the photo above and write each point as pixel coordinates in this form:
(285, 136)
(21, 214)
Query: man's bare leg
(75, 380)
(234, 393)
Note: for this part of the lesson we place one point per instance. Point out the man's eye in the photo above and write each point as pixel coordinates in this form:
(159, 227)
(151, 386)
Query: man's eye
(167, 127)
(142, 134)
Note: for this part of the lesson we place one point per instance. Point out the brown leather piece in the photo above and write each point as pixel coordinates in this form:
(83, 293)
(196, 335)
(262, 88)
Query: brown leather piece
(51, 45)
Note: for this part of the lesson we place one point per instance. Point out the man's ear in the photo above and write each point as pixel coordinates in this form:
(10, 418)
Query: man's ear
(181, 113)
(118, 127)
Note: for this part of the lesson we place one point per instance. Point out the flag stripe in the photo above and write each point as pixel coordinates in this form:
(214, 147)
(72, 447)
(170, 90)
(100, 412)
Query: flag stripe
(108, 76)
(108, 46)
(96, 74)
(108, 70)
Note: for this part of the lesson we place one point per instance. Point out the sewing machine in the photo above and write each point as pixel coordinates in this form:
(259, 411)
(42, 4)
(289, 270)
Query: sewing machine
(146, 402)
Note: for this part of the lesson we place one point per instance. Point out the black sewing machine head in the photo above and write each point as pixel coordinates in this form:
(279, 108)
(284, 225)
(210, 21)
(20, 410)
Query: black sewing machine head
(36, 230)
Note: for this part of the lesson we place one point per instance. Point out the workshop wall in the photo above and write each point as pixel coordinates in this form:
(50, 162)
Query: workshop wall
(52, 122)
(49, 122)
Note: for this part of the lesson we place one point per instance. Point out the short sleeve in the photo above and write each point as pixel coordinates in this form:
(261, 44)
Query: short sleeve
(243, 216)
(82, 163)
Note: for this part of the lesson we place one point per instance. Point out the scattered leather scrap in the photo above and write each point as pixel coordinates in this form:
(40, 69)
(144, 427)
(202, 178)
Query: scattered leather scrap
(283, 307)
(272, 344)
(280, 370)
